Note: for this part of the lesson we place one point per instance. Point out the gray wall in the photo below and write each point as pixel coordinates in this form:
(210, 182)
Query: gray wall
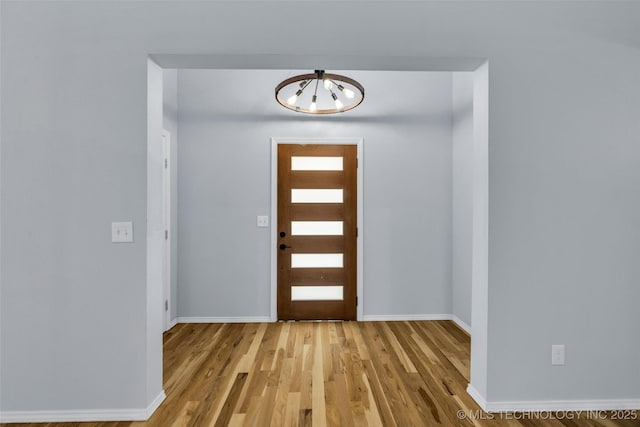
(74, 127)
(462, 198)
(564, 183)
(170, 123)
(224, 182)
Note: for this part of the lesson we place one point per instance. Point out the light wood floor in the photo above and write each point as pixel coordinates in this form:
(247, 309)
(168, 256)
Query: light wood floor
(321, 374)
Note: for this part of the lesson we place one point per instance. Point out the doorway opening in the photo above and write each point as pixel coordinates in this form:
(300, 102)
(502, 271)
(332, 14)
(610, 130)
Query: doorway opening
(480, 205)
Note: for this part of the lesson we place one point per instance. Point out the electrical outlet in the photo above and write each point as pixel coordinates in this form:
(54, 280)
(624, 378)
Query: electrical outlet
(557, 354)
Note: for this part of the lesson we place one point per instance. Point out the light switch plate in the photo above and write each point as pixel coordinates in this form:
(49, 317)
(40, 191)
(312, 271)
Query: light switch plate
(122, 232)
(262, 221)
(557, 354)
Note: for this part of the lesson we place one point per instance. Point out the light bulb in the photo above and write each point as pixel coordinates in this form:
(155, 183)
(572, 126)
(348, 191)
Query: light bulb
(292, 100)
(313, 105)
(337, 101)
(327, 84)
(347, 92)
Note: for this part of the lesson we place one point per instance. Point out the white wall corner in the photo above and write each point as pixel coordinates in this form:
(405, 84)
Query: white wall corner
(480, 244)
(461, 324)
(475, 395)
(155, 404)
(173, 323)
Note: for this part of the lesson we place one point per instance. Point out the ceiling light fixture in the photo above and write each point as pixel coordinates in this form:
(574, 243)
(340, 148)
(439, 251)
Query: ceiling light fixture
(290, 93)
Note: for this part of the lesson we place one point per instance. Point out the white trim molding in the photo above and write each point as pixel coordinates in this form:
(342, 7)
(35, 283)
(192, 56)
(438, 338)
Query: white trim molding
(552, 405)
(83, 415)
(173, 323)
(234, 319)
(458, 321)
(475, 395)
(155, 404)
(563, 405)
(366, 318)
(405, 317)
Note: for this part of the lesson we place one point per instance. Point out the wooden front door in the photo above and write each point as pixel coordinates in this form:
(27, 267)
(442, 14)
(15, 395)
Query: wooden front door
(317, 232)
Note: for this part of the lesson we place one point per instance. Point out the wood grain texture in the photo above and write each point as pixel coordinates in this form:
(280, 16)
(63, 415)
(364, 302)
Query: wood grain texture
(323, 374)
(345, 244)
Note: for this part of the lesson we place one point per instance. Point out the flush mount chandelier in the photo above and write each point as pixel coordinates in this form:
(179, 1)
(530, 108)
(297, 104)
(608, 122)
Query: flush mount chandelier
(319, 93)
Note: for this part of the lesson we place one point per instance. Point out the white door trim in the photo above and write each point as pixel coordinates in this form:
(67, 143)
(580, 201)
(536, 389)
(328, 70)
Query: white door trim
(275, 141)
(166, 223)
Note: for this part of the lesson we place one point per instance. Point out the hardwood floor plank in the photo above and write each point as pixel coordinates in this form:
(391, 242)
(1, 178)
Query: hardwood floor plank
(342, 395)
(395, 345)
(432, 386)
(282, 393)
(246, 363)
(378, 395)
(252, 418)
(318, 406)
(423, 406)
(183, 418)
(236, 420)
(292, 412)
(378, 374)
(217, 375)
(226, 412)
(402, 407)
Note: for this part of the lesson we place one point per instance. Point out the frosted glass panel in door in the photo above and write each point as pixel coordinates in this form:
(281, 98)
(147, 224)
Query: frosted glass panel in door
(317, 293)
(330, 195)
(309, 163)
(316, 261)
(316, 228)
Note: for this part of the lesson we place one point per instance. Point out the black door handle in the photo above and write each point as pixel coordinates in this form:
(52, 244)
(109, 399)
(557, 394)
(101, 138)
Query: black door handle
(283, 246)
(282, 234)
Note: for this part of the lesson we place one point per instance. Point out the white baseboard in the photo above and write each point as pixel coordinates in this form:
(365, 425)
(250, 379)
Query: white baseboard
(84, 415)
(404, 317)
(173, 323)
(475, 395)
(563, 405)
(552, 405)
(155, 404)
(461, 324)
(237, 319)
(366, 318)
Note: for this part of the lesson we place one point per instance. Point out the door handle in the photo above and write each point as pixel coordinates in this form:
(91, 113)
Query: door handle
(282, 234)
(283, 246)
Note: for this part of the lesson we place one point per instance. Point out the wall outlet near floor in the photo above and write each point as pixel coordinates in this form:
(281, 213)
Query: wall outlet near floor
(557, 354)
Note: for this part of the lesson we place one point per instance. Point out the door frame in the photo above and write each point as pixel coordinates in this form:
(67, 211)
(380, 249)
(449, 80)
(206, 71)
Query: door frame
(359, 143)
(166, 230)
